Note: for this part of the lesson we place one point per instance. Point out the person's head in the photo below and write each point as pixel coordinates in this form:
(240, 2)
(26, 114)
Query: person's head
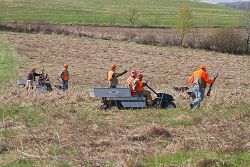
(66, 66)
(139, 76)
(133, 73)
(33, 69)
(113, 67)
(203, 68)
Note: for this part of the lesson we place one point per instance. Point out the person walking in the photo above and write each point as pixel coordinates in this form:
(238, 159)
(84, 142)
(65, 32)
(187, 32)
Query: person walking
(65, 77)
(199, 79)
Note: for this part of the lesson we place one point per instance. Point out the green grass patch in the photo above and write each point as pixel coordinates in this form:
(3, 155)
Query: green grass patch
(32, 116)
(8, 63)
(149, 13)
(21, 163)
(8, 132)
(227, 112)
(183, 158)
(174, 117)
(191, 158)
(41, 163)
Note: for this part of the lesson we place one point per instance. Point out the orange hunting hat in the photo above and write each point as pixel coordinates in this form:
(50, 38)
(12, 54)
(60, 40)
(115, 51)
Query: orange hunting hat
(65, 65)
(113, 66)
(203, 67)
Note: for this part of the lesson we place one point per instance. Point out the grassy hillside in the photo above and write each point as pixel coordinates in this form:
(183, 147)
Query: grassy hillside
(159, 13)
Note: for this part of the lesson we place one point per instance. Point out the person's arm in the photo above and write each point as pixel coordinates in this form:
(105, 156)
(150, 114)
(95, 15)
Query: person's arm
(120, 74)
(61, 75)
(36, 74)
(191, 79)
(46, 77)
(206, 79)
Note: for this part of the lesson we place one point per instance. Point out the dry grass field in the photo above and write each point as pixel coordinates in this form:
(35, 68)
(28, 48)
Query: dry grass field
(163, 67)
(67, 129)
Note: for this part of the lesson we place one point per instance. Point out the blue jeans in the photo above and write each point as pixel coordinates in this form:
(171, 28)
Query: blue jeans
(65, 84)
(199, 96)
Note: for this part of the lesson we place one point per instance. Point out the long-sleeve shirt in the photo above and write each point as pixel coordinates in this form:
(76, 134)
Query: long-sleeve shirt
(32, 75)
(200, 77)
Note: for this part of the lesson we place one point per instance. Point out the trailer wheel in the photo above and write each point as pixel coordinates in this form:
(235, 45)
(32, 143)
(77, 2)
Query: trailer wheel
(119, 105)
(103, 107)
(170, 105)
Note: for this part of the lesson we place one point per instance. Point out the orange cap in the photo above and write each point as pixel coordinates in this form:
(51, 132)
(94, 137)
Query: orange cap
(113, 66)
(203, 67)
(65, 65)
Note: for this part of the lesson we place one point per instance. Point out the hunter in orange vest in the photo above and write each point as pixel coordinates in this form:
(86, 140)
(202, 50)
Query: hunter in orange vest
(65, 77)
(112, 76)
(138, 89)
(199, 79)
(130, 79)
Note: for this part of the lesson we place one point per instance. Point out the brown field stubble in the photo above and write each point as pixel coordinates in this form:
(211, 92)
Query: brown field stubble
(89, 60)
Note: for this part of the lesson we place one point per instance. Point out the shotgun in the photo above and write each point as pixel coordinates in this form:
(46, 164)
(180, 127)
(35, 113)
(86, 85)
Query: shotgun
(151, 89)
(210, 87)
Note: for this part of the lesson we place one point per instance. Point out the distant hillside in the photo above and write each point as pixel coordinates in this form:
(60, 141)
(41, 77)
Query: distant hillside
(115, 12)
(236, 5)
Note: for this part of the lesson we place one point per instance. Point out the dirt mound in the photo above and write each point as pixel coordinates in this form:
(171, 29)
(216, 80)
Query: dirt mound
(150, 134)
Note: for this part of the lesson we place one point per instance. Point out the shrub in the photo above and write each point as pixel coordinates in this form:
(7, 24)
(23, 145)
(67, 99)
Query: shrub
(227, 40)
(148, 39)
(128, 35)
(171, 39)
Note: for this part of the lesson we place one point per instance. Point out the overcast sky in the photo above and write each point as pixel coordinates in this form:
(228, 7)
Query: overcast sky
(217, 1)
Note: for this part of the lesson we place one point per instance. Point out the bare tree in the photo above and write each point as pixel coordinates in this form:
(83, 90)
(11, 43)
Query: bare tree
(184, 22)
(131, 15)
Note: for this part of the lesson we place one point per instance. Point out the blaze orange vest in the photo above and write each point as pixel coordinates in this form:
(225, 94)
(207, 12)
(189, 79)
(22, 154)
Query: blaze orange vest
(129, 82)
(139, 87)
(65, 74)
